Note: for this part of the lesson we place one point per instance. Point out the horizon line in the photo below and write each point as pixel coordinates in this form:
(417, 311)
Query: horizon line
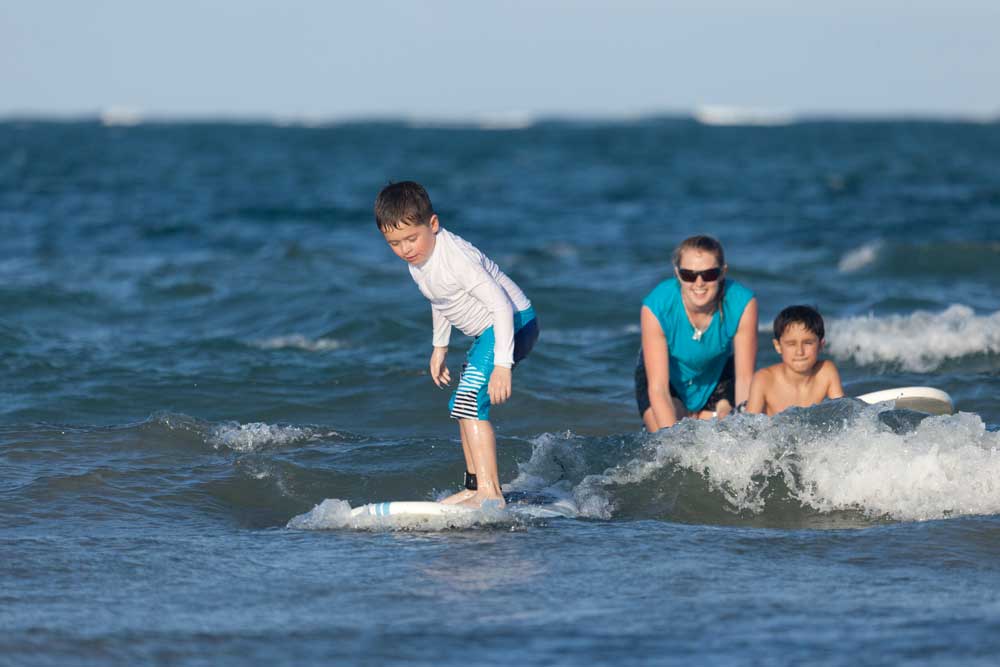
(706, 114)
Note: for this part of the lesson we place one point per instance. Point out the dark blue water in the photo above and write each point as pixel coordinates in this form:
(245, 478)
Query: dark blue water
(203, 337)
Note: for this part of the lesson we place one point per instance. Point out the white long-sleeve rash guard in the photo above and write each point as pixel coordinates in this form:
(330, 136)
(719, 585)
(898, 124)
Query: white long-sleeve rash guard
(468, 290)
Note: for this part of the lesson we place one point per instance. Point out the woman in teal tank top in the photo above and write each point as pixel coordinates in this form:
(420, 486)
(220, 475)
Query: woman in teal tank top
(699, 340)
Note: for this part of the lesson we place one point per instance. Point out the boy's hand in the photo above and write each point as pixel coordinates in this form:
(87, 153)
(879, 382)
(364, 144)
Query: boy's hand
(439, 369)
(499, 389)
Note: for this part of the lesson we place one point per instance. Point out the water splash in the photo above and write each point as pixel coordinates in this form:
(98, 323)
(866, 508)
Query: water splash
(839, 456)
(255, 436)
(948, 466)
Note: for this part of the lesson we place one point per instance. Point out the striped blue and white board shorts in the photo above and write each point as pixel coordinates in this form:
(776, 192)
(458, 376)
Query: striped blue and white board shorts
(471, 399)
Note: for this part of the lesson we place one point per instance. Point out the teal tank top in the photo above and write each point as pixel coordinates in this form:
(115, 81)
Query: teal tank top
(696, 365)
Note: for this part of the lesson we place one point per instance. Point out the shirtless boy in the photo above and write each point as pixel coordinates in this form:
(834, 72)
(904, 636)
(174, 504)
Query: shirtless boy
(802, 378)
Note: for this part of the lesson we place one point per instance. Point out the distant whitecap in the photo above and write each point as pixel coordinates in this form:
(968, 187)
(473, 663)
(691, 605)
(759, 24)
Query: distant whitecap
(715, 114)
(860, 257)
(297, 341)
(121, 116)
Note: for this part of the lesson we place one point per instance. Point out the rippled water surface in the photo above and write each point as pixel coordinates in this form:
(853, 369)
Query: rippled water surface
(208, 353)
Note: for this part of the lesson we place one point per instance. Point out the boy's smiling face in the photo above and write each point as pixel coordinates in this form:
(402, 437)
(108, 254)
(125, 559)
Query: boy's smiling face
(413, 243)
(799, 348)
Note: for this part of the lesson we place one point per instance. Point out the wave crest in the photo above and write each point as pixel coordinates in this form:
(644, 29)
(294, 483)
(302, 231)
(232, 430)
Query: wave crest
(859, 258)
(299, 342)
(258, 435)
(919, 342)
(842, 456)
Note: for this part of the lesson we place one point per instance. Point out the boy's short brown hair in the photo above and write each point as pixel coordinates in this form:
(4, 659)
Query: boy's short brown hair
(403, 203)
(807, 316)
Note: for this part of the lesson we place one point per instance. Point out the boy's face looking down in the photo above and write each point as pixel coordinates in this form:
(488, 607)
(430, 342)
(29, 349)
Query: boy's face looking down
(412, 243)
(799, 347)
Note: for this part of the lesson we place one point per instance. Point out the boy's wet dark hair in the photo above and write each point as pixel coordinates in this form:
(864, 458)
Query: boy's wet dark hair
(807, 316)
(403, 203)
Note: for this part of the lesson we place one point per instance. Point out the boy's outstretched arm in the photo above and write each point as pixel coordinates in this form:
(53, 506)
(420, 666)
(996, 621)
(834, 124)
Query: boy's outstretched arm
(442, 335)
(439, 366)
(492, 295)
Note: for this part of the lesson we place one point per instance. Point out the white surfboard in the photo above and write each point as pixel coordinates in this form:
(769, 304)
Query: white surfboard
(923, 399)
(520, 503)
(414, 508)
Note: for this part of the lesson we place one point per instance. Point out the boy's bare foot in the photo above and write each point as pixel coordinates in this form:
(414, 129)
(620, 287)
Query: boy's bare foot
(457, 498)
(483, 501)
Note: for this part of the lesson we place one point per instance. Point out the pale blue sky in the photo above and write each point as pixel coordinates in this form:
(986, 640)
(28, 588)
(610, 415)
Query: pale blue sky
(451, 58)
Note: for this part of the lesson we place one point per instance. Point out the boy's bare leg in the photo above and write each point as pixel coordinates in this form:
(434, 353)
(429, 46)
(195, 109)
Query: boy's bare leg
(470, 465)
(483, 446)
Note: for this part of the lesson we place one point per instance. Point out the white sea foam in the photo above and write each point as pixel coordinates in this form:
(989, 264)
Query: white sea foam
(257, 435)
(860, 257)
(556, 468)
(920, 341)
(297, 341)
(556, 460)
(947, 466)
(544, 479)
(555, 457)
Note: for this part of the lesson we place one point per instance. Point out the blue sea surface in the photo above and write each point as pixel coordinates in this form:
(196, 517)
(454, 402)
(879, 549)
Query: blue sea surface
(208, 352)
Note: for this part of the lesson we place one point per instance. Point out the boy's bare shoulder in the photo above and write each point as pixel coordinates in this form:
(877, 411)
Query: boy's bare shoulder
(766, 375)
(827, 369)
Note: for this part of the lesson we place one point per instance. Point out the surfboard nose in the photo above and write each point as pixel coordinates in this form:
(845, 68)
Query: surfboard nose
(922, 399)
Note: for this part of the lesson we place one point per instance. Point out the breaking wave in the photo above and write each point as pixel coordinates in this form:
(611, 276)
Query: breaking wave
(921, 341)
(842, 456)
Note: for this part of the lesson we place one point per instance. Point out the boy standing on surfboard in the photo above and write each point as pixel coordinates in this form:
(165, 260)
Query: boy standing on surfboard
(467, 291)
(801, 379)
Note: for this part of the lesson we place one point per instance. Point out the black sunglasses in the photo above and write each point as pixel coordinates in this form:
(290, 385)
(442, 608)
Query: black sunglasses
(708, 275)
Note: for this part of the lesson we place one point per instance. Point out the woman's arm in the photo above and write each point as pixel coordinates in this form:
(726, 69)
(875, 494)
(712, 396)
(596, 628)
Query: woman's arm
(745, 351)
(656, 357)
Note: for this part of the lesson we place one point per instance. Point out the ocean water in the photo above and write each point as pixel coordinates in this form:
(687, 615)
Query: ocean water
(208, 353)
